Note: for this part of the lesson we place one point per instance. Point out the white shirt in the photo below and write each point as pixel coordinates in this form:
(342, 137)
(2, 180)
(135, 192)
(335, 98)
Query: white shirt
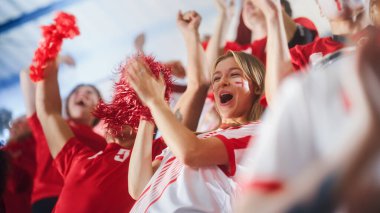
(176, 187)
(305, 124)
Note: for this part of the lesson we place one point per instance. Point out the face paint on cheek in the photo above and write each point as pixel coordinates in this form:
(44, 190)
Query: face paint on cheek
(241, 82)
(238, 82)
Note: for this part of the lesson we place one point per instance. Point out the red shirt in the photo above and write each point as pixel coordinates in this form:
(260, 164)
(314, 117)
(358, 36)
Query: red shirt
(306, 23)
(256, 48)
(20, 180)
(301, 53)
(95, 182)
(47, 181)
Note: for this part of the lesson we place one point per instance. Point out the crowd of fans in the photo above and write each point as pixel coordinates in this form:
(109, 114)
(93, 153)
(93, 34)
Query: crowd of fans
(279, 120)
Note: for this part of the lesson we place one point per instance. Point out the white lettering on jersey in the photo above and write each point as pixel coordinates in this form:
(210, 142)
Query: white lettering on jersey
(122, 155)
(96, 155)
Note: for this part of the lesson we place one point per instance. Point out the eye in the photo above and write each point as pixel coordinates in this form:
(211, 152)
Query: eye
(216, 78)
(235, 74)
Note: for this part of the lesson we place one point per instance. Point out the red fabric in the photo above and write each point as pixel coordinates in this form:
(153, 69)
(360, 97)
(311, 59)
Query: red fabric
(20, 180)
(47, 181)
(211, 96)
(64, 26)
(263, 101)
(204, 45)
(257, 48)
(94, 182)
(301, 53)
(231, 144)
(86, 135)
(126, 108)
(266, 186)
(158, 146)
(243, 34)
(306, 23)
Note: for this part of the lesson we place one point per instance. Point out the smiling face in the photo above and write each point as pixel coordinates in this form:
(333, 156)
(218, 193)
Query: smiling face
(81, 103)
(232, 90)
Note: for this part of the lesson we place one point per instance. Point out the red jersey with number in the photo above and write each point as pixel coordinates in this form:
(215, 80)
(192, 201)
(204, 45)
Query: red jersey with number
(47, 181)
(95, 182)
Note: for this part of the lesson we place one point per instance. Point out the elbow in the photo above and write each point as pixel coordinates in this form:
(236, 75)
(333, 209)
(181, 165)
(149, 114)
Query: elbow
(287, 70)
(133, 192)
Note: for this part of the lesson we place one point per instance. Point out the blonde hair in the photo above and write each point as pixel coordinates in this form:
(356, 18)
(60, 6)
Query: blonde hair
(253, 70)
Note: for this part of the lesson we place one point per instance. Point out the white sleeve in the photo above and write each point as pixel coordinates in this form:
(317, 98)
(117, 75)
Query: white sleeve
(283, 146)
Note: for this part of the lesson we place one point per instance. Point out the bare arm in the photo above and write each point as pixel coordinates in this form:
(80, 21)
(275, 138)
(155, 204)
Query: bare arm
(290, 26)
(278, 57)
(48, 106)
(29, 92)
(189, 107)
(29, 88)
(181, 141)
(217, 40)
(141, 168)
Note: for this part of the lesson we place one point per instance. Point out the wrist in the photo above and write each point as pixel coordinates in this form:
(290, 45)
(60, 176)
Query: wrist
(272, 12)
(156, 101)
(192, 35)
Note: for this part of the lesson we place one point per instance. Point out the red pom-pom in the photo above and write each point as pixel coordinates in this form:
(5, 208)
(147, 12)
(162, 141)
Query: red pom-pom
(125, 107)
(64, 26)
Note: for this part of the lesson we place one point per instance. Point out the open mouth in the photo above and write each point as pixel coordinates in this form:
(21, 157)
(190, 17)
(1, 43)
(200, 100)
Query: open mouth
(224, 98)
(80, 103)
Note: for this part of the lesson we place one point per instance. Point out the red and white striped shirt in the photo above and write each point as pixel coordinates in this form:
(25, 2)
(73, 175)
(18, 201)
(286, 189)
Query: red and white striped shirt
(177, 187)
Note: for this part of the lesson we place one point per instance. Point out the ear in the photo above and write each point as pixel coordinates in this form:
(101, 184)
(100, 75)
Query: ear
(257, 90)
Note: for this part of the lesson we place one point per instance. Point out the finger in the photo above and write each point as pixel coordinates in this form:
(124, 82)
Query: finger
(187, 16)
(132, 66)
(132, 77)
(160, 78)
(134, 82)
(194, 14)
(148, 70)
(180, 18)
(144, 69)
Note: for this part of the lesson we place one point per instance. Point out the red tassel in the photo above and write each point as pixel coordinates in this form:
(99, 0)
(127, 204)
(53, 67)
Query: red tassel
(125, 107)
(64, 26)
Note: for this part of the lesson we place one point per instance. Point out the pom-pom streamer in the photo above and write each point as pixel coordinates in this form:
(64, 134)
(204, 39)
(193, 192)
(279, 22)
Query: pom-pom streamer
(64, 26)
(126, 107)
